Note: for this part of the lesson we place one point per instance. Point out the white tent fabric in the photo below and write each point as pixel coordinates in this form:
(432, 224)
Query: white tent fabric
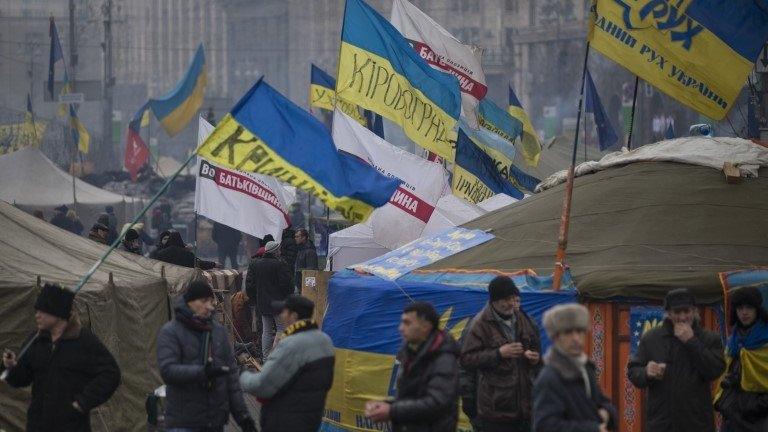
(30, 181)
(352, 245)
(496, 202)
(451, 211)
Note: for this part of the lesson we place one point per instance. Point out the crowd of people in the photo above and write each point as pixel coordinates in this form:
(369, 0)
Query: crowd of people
(496, 369)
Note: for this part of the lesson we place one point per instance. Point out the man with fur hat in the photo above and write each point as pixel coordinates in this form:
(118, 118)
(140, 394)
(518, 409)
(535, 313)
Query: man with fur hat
(566, 395)
(198, 366)
(743, 395)
(503, 346)
(297, 375)
(268, 280)
(70, 370)
(677, 363)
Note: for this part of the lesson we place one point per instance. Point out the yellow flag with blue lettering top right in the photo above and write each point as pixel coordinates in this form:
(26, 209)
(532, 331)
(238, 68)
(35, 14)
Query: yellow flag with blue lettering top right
(696, 51)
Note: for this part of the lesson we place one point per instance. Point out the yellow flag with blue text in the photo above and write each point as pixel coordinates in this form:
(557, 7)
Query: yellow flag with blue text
(379, 71)
(322, 94)
(696, 51)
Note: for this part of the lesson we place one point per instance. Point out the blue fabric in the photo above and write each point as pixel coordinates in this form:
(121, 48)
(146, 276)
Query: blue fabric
(304, 142)
(167, 103)
(375, 123)
(500, 118)
(670, 132)
(55, 55)
(513, 100)
(320, 77)
(741, 24)
(478, 163)
(756, 337)
(607, 137)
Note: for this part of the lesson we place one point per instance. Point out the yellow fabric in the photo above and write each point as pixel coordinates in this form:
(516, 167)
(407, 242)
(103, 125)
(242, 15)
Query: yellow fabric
(178, 119)
(233, 146)
(754, 370)
(530, 147)
(84, 139)
(371, 82)
(467, 186)
(18, 135)
(689, 75)
(325, 98)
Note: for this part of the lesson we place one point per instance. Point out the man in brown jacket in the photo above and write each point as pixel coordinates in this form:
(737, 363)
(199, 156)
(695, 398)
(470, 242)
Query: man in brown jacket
(503, 346)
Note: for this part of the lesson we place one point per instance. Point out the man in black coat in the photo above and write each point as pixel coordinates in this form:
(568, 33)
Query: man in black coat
(677, 363)
(566, 395)
(227, 243)
(428, 381)
(70, 370)
(288, 248)
(175, 251)
(268, 280)
(60, 218)
(306, 258)
(198, 366)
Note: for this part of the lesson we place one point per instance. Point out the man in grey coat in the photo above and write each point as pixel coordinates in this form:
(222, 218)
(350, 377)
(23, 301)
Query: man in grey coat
(198, 366)
(297, 375)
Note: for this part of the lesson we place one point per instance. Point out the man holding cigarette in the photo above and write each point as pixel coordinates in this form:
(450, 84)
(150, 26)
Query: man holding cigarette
(677, 362)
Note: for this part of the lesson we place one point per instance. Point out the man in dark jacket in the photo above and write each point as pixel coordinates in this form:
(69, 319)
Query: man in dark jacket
(227, 243)
(198, 366)
(297, 375)
(677, 363)
(289, 249)
(566, 395)
(468, 386)
(175, 252)
(268, 280)
(306, 258)
(70, 370)
(428, 381)
(503, 347)
(104, 219)
(131, 242)
(99, 233)
(60, 218)
(743, 395)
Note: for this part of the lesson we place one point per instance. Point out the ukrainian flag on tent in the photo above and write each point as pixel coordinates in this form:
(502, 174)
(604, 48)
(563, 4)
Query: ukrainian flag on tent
(529, 141)
(265, 133)
(696, 51)
(362, 318)
(322, 94)
(475, 176)
(79, 132)
(180, 105)
(379, 71)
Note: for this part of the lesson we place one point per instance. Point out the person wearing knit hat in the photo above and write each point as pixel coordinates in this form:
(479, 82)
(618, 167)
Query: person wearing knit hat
(677, 362)
(567, 395)
(198, 366)
(67, 385)
(268, 280)
(742, 399)
(502, 347)
(131, 242)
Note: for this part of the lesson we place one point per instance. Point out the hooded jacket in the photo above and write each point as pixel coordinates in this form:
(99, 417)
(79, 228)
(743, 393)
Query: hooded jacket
(175, 252)
(77, 367)
(682, 400)
(428, 386)
(268, 280)
(191, 400)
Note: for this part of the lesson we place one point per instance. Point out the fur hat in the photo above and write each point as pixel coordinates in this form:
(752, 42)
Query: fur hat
(502, 287)
(679, 298)
(55, 300)
(271, 247)
(197, 290)
(749, 296)
(564, 317)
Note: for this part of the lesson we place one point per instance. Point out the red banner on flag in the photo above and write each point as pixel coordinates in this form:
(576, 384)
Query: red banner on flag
(136, 153)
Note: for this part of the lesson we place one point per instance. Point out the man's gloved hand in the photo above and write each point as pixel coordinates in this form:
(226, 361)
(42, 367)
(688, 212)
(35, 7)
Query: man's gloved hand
(212, 371)
(247, 424)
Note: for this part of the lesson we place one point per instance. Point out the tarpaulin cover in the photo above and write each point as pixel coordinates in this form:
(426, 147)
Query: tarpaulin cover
(125, 313)
(637, 230)
(362, 320)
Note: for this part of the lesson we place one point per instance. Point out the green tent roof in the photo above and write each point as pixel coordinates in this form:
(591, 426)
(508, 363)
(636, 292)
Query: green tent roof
(637, 230)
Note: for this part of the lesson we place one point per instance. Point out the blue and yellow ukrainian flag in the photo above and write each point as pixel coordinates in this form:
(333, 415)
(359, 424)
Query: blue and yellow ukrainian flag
(379, 71)
(530, 145)
(79, 132)
(177, 108)
(266, 133)
(493, 118)
(696, 51)
(322, 94)
(475, 176)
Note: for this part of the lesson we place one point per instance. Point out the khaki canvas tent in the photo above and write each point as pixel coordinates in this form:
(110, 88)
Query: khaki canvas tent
(124, 304)
(31, 181)
(636, 230)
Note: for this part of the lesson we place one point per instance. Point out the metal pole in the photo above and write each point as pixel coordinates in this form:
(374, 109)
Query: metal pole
(565, 217)
(632, 116)
(108, 151)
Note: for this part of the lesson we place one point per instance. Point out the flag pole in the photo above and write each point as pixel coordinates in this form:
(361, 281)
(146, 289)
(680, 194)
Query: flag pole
(72, 166)
(562, 241)
(632, 115)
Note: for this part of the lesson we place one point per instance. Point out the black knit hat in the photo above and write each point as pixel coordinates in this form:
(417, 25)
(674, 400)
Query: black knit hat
(55, 300)
(749, 296)
(131, 234)
(197, 290)
(679, 298)
(502, 287)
